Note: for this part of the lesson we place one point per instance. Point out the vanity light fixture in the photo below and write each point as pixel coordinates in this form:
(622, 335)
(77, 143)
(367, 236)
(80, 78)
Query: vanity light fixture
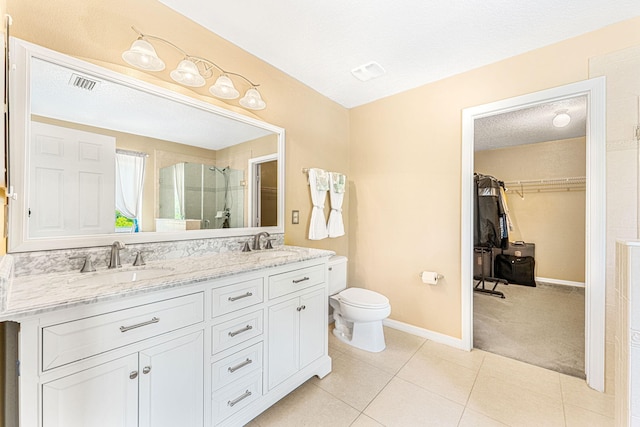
(561, 119)
(143, 55)
(192, 71)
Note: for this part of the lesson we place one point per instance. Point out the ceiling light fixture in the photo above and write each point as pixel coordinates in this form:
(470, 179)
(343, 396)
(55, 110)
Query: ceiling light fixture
(561, 119)
(192, 71)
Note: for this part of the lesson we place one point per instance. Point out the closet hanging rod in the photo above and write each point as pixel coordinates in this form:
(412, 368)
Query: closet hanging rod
(547, 182)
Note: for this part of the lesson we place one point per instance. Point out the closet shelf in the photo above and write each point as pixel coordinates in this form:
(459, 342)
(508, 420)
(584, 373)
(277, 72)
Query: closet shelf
(546, 185)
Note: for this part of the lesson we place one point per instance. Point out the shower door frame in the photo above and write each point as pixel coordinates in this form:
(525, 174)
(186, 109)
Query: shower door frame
(595, 243)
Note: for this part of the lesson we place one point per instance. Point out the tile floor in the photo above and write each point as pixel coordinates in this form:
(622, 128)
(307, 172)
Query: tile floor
(417, 382)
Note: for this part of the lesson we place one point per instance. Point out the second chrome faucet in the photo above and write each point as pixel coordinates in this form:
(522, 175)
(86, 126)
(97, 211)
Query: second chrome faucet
(114, 259)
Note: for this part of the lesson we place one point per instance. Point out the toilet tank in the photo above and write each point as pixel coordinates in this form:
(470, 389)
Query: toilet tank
(337, 274)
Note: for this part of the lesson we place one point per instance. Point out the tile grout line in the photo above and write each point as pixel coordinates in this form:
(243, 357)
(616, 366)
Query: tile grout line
(395, 375)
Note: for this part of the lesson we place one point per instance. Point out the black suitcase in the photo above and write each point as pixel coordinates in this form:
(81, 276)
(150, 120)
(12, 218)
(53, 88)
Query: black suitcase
(516, 270)
(518, 248)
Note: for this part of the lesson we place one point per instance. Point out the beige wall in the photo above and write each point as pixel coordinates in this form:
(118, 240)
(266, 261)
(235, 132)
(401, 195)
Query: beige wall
(316, 128)
(553, 220)
(405, 174)
(623, 115)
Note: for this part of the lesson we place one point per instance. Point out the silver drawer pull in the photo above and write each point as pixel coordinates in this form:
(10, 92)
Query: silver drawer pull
(239, 398)
(301, 280)
(232, 369)
(248, 294)
(239, 331)
(139, 325)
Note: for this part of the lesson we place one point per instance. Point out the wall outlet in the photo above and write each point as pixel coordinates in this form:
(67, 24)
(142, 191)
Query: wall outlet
(295, 217)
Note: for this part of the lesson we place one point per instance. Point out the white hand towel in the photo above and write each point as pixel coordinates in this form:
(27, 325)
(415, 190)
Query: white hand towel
(337, 187)
(318, 186)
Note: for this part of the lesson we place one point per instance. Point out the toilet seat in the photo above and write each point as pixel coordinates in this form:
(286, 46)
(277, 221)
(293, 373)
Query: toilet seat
(363, 298)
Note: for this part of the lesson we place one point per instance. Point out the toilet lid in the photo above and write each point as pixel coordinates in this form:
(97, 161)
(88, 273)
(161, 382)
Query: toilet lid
(359, 297)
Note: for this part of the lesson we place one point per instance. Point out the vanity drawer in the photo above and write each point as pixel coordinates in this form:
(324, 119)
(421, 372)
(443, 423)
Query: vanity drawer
(236, 331)
(239, 295)
(291, 281)
(71, 341)
(236, 366)
(235, 396)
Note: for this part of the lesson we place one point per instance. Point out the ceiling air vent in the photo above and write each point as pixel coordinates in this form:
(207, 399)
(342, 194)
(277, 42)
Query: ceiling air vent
(368, 71)
(82, 82)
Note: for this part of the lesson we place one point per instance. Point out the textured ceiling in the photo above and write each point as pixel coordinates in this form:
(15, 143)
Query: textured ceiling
(531, 125)
(415, 41)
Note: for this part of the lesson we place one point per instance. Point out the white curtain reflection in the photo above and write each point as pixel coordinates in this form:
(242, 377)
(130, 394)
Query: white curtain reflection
(178, 177)
(129, 184)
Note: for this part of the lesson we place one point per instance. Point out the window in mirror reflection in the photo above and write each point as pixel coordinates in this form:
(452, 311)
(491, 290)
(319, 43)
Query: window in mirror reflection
(130, 167)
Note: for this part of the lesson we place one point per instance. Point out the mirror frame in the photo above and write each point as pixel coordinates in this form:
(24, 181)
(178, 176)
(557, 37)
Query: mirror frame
(21, 53)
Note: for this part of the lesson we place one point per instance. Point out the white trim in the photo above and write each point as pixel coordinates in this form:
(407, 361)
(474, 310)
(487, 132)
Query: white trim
(595, 243)
(424, 333)
(252, 168)
(560, 282)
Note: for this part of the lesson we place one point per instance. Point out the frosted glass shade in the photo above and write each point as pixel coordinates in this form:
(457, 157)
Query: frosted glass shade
(252, 100)
(187, 73)
(224, 88)
(561, 120)
(142, 55)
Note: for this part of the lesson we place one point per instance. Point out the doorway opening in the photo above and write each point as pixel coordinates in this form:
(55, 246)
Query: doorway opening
(263, 191)
(594, 275)
(539, 167)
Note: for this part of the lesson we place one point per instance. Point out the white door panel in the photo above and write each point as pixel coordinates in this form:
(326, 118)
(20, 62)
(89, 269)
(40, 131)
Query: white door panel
(74, 182)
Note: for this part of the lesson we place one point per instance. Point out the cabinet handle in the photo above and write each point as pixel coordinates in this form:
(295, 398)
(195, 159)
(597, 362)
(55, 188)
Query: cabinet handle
(139, 325)
(133, 375)
(146, 369)
(301, 280)
(239, 398)
(302, 307)
(232, 369)
(239, 331)
(248, 294)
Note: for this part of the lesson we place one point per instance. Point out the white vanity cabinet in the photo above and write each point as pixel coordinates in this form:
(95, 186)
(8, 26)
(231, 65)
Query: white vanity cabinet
(296, 334)
(160, 386)
(297, 322)
(213, 352)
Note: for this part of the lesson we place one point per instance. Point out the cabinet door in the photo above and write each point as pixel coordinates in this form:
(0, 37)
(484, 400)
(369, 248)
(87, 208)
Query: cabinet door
(283, 341)
(104, 396)
(171, 383)
(313, 325)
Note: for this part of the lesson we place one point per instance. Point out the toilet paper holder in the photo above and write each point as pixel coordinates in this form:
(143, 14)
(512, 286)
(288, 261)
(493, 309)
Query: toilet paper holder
(430, 277)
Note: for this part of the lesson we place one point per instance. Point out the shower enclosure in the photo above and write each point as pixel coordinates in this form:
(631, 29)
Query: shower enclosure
(209, 196)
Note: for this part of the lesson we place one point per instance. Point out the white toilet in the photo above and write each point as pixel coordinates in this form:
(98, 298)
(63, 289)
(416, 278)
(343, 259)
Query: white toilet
(358, 313)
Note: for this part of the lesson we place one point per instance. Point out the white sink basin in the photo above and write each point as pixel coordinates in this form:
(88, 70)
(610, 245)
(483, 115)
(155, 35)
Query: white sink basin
(120, 276)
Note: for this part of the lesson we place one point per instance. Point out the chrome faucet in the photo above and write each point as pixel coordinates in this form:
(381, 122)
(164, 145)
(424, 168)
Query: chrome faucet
(256, 240)
(114, 259)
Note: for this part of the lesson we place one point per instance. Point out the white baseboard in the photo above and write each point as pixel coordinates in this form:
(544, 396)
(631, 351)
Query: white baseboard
(560, 282)
(424, 333)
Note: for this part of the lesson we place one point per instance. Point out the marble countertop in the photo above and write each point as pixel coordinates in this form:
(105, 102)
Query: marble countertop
(31, 295)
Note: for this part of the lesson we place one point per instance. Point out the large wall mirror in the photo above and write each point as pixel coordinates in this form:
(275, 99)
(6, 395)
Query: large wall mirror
(96, 156)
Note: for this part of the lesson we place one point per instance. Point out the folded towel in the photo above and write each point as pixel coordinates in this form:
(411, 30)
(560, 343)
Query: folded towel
(322, 179)
(338, 182)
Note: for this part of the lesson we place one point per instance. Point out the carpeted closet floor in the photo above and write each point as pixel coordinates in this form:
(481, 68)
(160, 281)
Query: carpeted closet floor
(543, 326)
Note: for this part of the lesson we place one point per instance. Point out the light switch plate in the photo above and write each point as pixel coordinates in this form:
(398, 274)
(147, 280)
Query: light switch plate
(295, 217)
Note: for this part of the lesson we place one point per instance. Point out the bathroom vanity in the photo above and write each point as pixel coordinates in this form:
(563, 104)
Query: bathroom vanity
(199, 341)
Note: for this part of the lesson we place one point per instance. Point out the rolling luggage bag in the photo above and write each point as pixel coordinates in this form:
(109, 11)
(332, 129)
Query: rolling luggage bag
(518, 270)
